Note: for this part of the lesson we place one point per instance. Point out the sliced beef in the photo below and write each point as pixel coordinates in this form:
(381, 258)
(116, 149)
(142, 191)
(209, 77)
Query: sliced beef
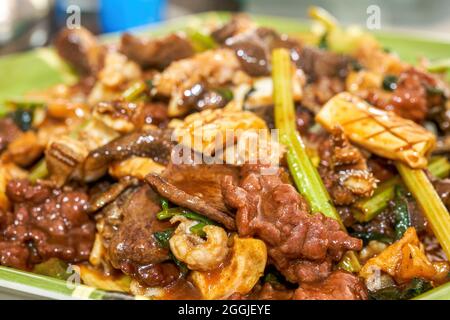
(412, 98)
(202, 181)
(133, 248)
(80, 48)
(45, 223)
(199, 97)
(9, 131)
(344, 170)
(339, 285)
(318, 63)
(185, 200)
(156, 53)
(155, 144)
(302, 246)
(317, 93)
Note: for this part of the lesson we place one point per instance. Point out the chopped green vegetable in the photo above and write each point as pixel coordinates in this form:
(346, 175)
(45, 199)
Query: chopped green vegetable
(323, 44)
(171, 212)
(414, 288)
(426, 196)
(163, 237)
(164, 204)
(53, 267)
(134, 91)
(366, 237)
(39, 171)
(390, 83)
(439, 66)
(201, 41)
(440, 293)
(305, 175)
(198, 229)
(401, 213)
(226, 93)
(181, 265)
(365, 210)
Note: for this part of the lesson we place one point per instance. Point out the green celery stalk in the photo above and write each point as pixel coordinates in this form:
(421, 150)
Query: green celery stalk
(39, 171)
(365, 210)
(439, 293)
(426, 196)
(305, 175)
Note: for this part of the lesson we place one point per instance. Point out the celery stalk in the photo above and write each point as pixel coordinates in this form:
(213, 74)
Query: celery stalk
(365, 210)
(305, 175)
(426, 196)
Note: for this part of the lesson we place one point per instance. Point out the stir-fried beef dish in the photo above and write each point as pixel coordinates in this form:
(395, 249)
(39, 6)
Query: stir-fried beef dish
(232, 162)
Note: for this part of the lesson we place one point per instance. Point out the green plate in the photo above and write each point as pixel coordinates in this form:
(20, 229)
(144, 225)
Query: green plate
(42, 68)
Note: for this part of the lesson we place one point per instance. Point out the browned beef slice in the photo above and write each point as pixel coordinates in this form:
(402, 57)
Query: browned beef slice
(134, 248)
(156, 53)
(45, 223)
(202, 181)
(185, 200)
(80, 48)
(340, 285)
(344, 170)
(302, 246)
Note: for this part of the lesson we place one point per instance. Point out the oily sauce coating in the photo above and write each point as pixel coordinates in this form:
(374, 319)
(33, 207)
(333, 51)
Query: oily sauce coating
(44, 223)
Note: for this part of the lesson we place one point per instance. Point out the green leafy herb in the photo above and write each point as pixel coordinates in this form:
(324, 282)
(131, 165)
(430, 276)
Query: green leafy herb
(323, 42)
(163, 237)
(181, 265)
(401, 212)
(226, 93)
(366, 237)
(390, 83)
(414, 288)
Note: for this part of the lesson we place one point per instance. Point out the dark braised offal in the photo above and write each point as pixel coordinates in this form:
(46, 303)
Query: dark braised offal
(156, 53)
(132, 246)
(45, 223)
(301, 245)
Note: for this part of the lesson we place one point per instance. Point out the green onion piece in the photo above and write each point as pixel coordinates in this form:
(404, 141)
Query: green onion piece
(439, 293)
(439, 66)
(134, 91)
(305, 175)
(163, 237)
(401, 213)
(181, 265)
(426, 196)
(164, 204)
(39, 171)
(201, 41)
(171, 212)
(198, 229)
(365, 210)
(350, 262)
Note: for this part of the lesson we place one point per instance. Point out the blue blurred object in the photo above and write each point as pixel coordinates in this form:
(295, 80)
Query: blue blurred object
(119, 15)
